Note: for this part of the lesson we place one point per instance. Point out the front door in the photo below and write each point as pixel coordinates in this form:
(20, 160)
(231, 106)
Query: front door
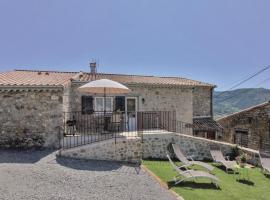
(131, 113)
(241, 138)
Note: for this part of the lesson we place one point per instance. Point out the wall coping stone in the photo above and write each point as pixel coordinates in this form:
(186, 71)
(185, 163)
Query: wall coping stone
(165, 134)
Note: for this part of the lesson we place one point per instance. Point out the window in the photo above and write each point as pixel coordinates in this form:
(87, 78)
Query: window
(87, 105)
(241, 138)
(99, 104)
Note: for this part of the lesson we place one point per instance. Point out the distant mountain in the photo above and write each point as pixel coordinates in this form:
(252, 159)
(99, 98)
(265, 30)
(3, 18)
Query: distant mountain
(236, 100)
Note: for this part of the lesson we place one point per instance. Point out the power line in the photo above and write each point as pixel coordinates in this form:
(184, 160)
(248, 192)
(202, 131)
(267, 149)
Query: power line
(244, 91)
(234, 82)
(245, 80)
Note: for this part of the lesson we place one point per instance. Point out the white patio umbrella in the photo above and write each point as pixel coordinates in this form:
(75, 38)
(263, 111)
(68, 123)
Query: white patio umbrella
(104, 86)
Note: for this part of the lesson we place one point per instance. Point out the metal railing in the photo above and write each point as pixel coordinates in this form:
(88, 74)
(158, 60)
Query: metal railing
(80, 129)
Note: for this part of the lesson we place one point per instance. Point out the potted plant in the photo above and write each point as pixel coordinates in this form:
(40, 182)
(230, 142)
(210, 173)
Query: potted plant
(235, 152)
(242, 159)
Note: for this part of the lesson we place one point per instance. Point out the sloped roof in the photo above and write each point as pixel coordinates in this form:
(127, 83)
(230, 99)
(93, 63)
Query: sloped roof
(250, 109)
(206, 124)
(55, 78)
(34, 78)
(150, 80)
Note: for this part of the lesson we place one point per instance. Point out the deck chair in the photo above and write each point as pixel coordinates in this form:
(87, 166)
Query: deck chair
(191, 174)
(182, 158)
(265, 161)
(219, 158)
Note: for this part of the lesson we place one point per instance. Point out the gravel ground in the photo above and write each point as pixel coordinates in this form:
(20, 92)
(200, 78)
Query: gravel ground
(41, 175)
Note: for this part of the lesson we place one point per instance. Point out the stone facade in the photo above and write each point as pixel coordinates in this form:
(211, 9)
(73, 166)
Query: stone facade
(186, 101)
(30, 112)
(166, 99)
(202, 101)
(154, 146)
(249, 127)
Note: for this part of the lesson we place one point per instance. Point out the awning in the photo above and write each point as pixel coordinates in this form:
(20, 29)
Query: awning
(206, 124)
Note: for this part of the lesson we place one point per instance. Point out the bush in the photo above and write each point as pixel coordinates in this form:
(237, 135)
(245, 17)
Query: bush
(22, 140)
(235, 152)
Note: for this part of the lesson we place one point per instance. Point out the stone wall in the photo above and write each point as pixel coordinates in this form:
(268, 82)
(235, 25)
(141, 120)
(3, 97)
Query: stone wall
(67, 98)
(154, 146)
(255, 121)
(166, 99)
(202, 101)
(24, 113)
(128, 150)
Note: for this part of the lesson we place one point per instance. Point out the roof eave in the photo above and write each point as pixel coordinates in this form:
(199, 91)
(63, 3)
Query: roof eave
(245, 110)
(151, 84)
(30, 87)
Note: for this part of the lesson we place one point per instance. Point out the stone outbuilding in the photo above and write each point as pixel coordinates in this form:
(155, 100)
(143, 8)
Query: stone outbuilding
(206, 127)
(248, 128)
(34, 102)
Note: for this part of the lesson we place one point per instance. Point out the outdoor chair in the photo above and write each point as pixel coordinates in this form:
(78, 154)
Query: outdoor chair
(191, 174)
(265, 161)
(219, 158)
(116, 123)
(71, 126)
(182, 158)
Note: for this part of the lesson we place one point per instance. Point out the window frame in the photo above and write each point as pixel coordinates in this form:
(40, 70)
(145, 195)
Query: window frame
(103, 100)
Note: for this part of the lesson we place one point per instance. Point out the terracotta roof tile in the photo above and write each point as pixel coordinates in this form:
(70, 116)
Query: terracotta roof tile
(34, 78)
(151, 80)
(55, 78)
(206, 124)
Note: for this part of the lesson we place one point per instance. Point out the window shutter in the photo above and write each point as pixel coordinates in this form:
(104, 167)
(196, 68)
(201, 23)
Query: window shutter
(120, 103)
(87, 105)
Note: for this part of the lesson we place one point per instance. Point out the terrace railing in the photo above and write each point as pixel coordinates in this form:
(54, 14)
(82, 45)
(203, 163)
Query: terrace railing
(80, 129)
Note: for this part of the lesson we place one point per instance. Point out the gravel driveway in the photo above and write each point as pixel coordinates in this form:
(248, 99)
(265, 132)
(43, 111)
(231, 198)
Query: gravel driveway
(41, 175)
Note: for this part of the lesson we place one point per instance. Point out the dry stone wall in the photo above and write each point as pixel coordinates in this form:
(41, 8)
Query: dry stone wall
(154, 146)
(128, 150)
(30, 118)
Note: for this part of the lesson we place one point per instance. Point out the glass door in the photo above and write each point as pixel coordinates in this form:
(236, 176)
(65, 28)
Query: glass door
(131, 113)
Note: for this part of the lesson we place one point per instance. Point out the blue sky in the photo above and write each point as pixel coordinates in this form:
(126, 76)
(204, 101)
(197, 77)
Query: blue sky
(214, 41)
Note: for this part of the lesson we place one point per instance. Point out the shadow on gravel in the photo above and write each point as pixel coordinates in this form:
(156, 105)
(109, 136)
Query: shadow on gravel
(23, 156)
(97, 165)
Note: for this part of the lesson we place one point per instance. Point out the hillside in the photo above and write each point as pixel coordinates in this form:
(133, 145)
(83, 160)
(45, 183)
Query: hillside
(239, 99)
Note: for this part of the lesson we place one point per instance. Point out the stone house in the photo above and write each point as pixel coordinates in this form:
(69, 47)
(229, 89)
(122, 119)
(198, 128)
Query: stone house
(248, 128)
(35, 101)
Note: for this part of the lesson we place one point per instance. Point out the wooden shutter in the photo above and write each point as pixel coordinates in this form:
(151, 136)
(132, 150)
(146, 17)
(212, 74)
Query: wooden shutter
(87, 105)
(119, 103)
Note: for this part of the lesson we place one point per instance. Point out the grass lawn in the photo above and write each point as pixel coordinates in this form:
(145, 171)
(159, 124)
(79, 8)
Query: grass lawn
(230, 189)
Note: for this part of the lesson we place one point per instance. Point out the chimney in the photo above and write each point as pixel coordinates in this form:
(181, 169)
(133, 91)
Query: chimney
(93, 67)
